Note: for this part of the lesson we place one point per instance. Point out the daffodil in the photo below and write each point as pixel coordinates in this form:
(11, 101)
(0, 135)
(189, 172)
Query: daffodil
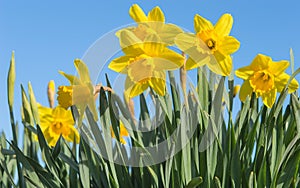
(145, 63)
(211, 45)
(80, 92)
(56, 122)
(265, 77)
(154, 22)
(123, 133)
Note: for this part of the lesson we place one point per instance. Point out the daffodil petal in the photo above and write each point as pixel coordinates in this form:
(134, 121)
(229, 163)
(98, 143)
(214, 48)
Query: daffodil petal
(134, 89)
(269, 98)
(260, 62)
(73, 135)
(153, 45)
(168, 60)
(137, 14)
(277, 68)
(229, 45)
(82, 70)
(224, 25)
(201, 24)
(123, 130)
(282, 79)
(245, 72)
(221, 64)
(158, 83)
(185, 41)
(156, 15)
(246, 90)
(190, 64)
(119, 64)
(168, 33)
(130, 43)
(72, 79)
(92, 106)
(45, 116)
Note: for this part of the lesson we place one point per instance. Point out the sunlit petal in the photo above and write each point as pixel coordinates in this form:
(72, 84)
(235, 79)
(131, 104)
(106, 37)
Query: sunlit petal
(269, 98)
(281, 81)
(168, 33)
(158, 85)
(130, 43)
(201, 24)
(137, 14)
(133, 89)
(168, 60)
(221, 64)
(119, 64)
(260, 62)
(277, 68)
(246, 90)
(245, 72)
(72, 79)
(185, 41)
(156, 15)
(82, 70)
(229, 45)
(224, 25)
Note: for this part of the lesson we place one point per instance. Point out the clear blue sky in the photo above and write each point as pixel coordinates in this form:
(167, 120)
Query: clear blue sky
(47, 35)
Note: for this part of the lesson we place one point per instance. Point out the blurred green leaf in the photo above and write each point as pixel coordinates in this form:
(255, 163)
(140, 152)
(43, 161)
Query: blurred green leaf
(194, 182)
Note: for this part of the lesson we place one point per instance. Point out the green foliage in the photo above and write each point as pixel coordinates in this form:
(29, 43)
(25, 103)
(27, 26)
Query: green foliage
(260, 147)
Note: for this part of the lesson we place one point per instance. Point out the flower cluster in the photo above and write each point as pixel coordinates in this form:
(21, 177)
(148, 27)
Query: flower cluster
(148, 55)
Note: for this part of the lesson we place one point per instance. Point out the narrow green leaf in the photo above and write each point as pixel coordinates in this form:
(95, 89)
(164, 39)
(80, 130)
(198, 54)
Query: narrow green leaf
(26, 107)
(84, 172)
(33, 104)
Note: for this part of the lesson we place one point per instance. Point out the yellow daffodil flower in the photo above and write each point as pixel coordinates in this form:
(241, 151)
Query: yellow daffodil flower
(56, 122)
(210, 46)
(123, 133)
(145, 63)
(80, 92)
(154, 22)
(265, 78)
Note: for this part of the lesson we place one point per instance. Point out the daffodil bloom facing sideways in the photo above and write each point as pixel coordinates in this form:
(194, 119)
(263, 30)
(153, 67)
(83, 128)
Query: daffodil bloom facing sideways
(145, 63)
(265, 78)
(123, 133)
(154, 22)
(211, 45)
(55, 122)
(80, 92)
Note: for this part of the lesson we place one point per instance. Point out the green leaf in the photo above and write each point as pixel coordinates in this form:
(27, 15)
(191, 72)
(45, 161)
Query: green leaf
(84, 172)
(195, 182)
(27, 165)
(33, 104)
(217, 182)
(28, 117)
(57, 148)
(11, 81)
